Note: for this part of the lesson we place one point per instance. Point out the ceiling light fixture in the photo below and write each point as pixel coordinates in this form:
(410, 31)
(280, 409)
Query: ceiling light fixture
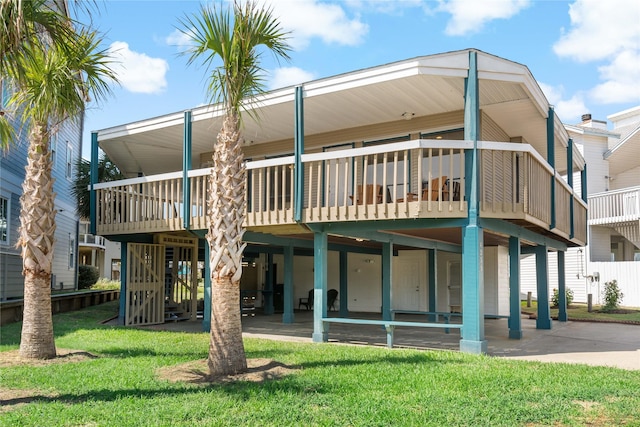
(407, 115)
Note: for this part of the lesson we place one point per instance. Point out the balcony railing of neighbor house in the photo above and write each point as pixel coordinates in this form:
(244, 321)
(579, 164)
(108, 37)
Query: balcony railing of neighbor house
(411, 179)
(614, 207)
(91, 240)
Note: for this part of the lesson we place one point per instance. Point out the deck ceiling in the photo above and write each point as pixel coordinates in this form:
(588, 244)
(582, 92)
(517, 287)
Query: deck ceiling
(626, 155)
(424, 86)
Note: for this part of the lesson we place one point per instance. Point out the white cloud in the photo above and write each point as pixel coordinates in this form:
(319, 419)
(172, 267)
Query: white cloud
(608, 32)
(469, 16)
(308, 19)
(569, 110)
(600, 30)
(179, 39)
(288, 76)
(138, 72)
(621, 80)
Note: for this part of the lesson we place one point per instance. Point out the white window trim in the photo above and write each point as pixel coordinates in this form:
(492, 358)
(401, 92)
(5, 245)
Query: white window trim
(8, 219)
(69, 162)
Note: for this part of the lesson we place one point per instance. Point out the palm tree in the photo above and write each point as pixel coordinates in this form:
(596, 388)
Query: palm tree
(49, 86)
(107, 171)
(32, 23)
(235, 41)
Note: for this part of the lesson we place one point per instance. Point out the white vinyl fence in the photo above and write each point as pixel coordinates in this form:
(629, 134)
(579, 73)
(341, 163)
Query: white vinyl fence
(582, 279)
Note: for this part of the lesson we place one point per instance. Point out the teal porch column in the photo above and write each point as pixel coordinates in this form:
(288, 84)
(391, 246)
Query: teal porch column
(543, 321)
(298, 182)
(287, 315)
(570, 182)
(93, 179)
(387, 258)
(268, 287)
(344, 289)
(186, 167)
(320, 258)
(472, 291)
(123, 283)
(562, 288)
(551, 158)
(206, 315)
(432, 281)
(472, 234)
(515, 310)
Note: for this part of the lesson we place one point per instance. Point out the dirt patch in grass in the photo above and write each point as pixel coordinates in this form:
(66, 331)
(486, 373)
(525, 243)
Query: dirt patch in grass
(12, 358)
(197, 372)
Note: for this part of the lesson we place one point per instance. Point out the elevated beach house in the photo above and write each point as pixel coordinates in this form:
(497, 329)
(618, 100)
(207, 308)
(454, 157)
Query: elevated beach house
(412, 187)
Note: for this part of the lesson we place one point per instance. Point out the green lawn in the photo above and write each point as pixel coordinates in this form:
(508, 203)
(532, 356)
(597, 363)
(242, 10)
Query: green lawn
(579, 311)
(336, 385)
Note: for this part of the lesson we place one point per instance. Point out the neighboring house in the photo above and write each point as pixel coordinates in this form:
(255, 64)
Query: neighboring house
(65, 147)
(613, 253)
(98, 252)
(411, 186)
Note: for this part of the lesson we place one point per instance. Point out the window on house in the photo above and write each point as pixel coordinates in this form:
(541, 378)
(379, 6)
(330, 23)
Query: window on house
(72, 251)
(4, 220)
(54, 149)
(69, 170)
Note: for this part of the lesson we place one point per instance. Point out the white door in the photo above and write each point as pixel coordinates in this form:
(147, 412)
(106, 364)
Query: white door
(409, 281)
(454, 286)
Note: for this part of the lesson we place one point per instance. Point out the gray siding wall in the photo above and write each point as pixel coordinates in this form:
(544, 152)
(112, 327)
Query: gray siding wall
(12, 171)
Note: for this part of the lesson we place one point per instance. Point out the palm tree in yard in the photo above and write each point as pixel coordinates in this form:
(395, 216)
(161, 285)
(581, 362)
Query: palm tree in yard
(51, 83)
(235, 41)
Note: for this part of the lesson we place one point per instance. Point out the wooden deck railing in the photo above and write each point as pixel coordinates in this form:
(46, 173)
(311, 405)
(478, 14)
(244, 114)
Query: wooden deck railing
(614, 207)
(418, 178)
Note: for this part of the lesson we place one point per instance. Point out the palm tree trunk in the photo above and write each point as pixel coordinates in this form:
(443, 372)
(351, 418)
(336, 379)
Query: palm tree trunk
(225, 208)
(37, 229)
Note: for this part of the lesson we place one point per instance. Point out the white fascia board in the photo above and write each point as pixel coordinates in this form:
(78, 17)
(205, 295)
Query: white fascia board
(174, 119)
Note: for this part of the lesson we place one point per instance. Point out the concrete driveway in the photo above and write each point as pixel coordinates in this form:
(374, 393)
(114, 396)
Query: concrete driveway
(601, 344)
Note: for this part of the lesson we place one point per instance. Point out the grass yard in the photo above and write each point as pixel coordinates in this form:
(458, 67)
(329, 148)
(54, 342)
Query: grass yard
(578, 311)
(116, 383)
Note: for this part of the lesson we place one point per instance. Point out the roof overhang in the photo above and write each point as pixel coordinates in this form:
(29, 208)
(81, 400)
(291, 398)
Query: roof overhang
(424, 86)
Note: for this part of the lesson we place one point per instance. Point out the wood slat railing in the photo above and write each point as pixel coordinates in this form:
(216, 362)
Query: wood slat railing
(410, 179)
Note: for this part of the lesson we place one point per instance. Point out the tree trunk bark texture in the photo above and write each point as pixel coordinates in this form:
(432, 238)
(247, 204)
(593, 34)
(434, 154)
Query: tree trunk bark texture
(225, 208)
(36, 239)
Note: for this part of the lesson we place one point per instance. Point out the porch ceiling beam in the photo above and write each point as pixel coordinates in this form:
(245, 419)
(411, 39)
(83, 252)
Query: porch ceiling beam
(269, 239)
(345, 228)
(513, 230)
(399, 239)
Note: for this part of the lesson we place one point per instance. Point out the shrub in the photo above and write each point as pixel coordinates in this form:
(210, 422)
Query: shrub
(87, 276)
(612, 296)
(104, 284)
(555, 299)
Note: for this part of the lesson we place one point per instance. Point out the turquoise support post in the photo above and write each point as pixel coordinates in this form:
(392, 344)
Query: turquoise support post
(93, 179)
(206, 315)
(432, 283)
(543, 321)
(123, 283)
(515, 309)
(551, 158)
(472, 235)
(583, 184)
(268, 287)
(562, 288)
(186, 167)
(320, 258)
(473, 340)
(570, 182)
(298, 183)
(288, 315)
(387, 259)
(344, 289)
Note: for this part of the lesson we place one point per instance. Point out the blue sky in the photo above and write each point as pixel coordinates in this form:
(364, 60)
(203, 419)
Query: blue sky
(585, 54)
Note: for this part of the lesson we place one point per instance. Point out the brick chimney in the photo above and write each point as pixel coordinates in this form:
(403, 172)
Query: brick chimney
(588, 122)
